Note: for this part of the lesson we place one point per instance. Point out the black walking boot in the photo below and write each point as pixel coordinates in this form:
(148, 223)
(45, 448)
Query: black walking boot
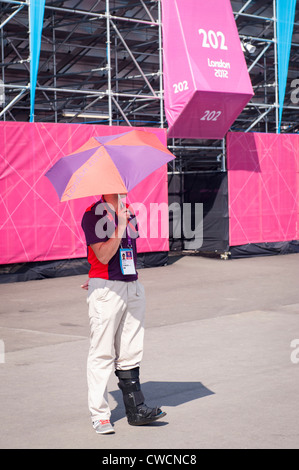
(136, 410)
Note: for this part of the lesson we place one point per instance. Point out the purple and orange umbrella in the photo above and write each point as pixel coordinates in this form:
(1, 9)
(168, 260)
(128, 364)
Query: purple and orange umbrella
(112, 164)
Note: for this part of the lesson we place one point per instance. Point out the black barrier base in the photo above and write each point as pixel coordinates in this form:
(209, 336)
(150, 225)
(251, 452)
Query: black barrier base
(21, 272)
(264, 249)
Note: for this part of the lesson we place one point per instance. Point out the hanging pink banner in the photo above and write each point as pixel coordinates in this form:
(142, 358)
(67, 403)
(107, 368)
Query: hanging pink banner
(206, 82)
(34, 225)
(263, 183)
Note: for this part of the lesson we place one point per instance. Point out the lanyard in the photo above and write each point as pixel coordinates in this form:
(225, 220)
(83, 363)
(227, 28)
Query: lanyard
(128, 238)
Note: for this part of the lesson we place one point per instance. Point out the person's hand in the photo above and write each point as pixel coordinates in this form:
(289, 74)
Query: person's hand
(85, 285)
(123, 218)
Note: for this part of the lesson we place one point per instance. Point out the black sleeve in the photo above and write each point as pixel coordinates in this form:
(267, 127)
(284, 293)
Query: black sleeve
(94, 233)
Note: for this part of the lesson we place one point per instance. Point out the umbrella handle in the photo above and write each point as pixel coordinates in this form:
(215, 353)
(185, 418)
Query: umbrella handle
(121, 204)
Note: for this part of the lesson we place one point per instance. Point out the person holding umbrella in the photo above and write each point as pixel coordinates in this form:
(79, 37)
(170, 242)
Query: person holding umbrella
(116, 302)
(111, 165)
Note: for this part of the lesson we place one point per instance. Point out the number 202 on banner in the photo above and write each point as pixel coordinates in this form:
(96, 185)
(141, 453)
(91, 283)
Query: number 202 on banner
(212, 39)
(181, 86)
(211, 115)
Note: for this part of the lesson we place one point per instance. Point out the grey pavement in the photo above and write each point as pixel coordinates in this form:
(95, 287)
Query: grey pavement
(220, 358)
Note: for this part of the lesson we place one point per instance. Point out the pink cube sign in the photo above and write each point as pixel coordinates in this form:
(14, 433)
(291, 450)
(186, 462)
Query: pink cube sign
(206, 81)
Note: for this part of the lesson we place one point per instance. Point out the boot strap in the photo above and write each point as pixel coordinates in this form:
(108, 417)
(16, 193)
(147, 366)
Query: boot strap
(128, 374)
(132, 393)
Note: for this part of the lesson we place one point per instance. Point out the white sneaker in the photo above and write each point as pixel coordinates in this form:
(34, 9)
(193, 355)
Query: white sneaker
(103, 426)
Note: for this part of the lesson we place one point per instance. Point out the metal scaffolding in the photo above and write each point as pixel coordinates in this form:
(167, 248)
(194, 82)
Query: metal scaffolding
(101, 62)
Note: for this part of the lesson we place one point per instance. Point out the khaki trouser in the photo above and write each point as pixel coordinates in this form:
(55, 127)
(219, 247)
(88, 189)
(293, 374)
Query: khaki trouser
(116, 315)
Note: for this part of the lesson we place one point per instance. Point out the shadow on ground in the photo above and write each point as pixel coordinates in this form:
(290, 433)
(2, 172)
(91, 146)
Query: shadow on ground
(163, 394)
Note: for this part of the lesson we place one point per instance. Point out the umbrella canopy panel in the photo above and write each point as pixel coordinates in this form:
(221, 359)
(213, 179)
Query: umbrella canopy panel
(108, 164)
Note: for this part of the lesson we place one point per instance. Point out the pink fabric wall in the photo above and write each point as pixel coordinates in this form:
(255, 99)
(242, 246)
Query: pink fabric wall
(263, 184)
(34, 225)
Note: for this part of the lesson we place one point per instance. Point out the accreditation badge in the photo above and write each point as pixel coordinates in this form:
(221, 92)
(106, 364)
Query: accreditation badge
(127, 261)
